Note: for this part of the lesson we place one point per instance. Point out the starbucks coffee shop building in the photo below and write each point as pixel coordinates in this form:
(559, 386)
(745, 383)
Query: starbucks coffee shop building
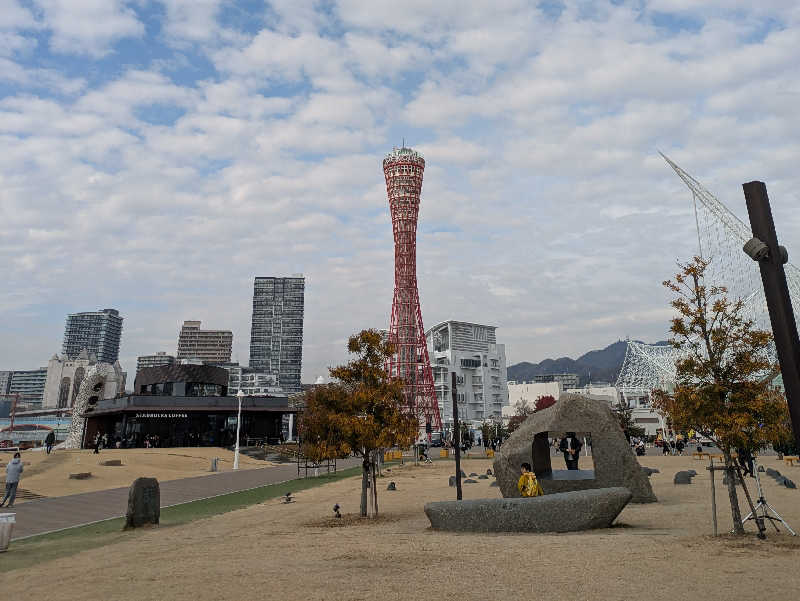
(187, 405)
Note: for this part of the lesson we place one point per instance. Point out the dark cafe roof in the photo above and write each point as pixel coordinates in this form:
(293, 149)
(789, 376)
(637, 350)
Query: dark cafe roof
(209, 404)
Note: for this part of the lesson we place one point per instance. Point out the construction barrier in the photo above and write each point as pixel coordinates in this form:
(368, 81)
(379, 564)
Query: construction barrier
(443, 453)
(489, 453)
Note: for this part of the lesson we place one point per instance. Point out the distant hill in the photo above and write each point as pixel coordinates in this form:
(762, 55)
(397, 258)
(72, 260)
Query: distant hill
(601, 365)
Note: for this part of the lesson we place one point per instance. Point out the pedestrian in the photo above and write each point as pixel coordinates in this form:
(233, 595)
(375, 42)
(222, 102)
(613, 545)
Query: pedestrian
(679, 446)
(665, 447)
(13, 472)
(97, 441)
(745, 458)
(528, 485)
(49, 440)
(571, 446)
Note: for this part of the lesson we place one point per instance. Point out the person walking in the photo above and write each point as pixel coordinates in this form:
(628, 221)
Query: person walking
(49, 441)
(571, 446)
(13, 472)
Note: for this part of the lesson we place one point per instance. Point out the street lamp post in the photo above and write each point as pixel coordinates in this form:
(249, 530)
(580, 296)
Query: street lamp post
(240, 396)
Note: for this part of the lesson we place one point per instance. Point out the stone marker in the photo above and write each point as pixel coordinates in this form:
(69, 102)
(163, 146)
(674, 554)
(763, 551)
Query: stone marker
(614, 464)
(560, 512)
(452, 480)
(392, 486)
(470, 481)
(772, 472)
(463, 474)
(692, 473)
(473, 475)
(786, 482)
(483, 477)
(144, 503)
(650, 471)
(111, 462)
(682, 478)
(80, 476)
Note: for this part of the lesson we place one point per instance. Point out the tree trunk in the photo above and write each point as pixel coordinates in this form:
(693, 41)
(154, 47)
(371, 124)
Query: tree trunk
(738, 527)
(364, 482)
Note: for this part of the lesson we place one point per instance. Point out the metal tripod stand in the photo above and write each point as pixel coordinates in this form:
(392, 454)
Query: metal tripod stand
(763, 510)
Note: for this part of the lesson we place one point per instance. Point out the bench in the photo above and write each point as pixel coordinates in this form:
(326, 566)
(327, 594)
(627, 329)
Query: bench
(697, 455)
(790, 459)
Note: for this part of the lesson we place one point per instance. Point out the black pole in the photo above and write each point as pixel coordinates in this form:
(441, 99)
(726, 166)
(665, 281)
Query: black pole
(776, 291)
(456, 437)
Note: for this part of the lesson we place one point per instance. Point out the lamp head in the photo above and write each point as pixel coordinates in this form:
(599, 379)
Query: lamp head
(240, 394)
(756, 249)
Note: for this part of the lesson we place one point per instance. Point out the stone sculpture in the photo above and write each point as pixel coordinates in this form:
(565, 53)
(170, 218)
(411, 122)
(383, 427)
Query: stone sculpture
(144, 503)
(91, 388)
(614, 463)
(559, 512)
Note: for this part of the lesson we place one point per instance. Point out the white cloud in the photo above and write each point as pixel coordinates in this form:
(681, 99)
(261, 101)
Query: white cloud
(88, 26)
(545, 208)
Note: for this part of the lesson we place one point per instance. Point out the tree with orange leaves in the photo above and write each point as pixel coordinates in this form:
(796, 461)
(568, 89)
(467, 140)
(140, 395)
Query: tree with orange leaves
(360, 412)
(723, 384)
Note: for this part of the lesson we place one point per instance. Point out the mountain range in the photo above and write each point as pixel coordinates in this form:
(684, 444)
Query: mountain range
(596, 366)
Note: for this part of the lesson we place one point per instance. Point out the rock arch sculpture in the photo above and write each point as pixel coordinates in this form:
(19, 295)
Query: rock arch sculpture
(614, 462)
(97, 378)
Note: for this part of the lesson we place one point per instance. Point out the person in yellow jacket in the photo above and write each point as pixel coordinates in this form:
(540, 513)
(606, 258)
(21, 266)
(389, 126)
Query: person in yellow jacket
(528, 485)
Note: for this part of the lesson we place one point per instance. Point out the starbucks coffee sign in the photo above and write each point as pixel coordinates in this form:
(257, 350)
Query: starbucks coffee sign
(162, 415)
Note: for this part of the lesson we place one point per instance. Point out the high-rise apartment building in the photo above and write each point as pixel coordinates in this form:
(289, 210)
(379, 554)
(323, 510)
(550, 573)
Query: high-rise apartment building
(276, 335)
(29, 384)
(99, 332)
(471, 351)
(209, 346)
(5, 381)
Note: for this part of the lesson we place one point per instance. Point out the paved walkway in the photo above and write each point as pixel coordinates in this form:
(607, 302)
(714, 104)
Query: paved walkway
(57, 513)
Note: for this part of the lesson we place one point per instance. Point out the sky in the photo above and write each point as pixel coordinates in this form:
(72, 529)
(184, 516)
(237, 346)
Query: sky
(159, 154)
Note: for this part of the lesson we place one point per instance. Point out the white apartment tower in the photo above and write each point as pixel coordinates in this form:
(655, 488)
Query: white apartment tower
(469, 350)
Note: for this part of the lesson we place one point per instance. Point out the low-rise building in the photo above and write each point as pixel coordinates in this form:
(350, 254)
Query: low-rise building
(469, 350)
(64, 377)
(566, 380)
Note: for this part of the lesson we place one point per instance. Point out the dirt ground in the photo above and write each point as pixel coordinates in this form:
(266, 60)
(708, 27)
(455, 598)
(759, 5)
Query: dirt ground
(300, 552)
(48, 475)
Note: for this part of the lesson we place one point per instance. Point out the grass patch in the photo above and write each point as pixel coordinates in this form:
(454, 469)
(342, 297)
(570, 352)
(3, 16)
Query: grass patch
(45, 547)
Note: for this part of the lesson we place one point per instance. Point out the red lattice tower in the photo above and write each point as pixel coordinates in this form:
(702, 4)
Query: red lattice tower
(403, 168)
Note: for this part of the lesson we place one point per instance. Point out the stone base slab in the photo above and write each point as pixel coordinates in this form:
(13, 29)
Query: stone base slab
(560, 512)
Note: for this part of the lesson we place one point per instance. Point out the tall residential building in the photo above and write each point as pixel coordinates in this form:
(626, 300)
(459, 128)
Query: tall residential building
(98, 332)
(210, 346)
(276, 336)
(471, 351)
(29, 385)
(5, 381)
(157, 360)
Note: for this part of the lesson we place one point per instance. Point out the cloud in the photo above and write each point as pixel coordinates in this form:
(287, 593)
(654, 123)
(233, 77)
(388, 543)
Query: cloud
(88, 27)
(159, 168)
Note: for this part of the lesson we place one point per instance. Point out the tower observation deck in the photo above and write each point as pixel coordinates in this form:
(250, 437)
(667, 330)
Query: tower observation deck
(403, 169)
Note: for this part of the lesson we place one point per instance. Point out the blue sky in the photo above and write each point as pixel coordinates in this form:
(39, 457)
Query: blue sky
(157, 155)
